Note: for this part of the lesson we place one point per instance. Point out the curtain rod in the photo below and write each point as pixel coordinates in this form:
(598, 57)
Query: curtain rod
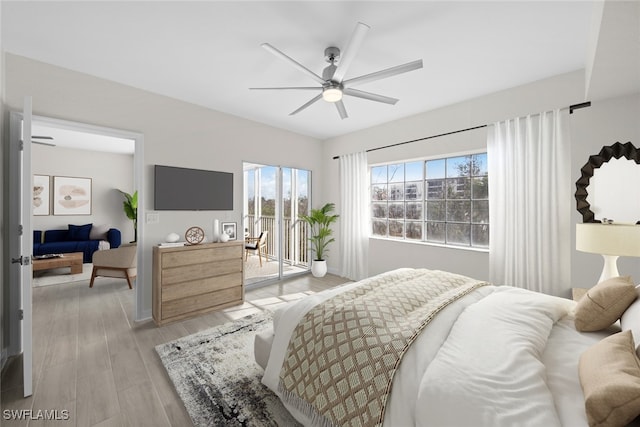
(571, 108)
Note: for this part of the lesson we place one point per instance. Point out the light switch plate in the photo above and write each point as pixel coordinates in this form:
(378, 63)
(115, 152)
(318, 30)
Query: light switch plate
(153, 218)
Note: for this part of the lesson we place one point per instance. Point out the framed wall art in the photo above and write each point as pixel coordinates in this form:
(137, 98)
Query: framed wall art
(230, 229)
(71, 196)
(41, 195)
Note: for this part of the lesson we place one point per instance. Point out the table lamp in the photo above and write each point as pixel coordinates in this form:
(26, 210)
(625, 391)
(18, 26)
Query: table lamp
(609, 240)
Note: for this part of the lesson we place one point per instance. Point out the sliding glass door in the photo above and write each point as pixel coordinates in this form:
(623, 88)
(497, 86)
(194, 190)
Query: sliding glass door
(274, 198)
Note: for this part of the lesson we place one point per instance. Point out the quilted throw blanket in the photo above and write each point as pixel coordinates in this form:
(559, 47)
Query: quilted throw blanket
(342, 356)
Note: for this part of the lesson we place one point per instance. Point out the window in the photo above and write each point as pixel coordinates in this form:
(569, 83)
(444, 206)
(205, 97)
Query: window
(442, 201)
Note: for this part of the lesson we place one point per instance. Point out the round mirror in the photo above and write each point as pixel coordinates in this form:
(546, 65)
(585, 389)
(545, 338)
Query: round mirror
(607, 187)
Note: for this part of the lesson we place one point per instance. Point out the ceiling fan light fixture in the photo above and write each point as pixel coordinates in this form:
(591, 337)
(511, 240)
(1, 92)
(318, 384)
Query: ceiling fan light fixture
(332, 94)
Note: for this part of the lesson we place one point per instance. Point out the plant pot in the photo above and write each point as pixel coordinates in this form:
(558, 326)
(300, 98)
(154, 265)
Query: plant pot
(318, 268)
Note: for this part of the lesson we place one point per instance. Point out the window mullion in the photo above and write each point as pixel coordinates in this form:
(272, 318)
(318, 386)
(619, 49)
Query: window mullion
(444, 197)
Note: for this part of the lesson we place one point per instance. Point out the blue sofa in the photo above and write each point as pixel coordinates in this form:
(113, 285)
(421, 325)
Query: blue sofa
(75, 239)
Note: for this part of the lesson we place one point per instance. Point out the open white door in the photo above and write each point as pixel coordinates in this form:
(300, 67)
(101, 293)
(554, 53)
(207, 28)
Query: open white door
(21, 241)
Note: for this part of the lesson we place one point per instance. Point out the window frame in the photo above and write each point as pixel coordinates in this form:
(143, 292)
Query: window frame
(386, 201)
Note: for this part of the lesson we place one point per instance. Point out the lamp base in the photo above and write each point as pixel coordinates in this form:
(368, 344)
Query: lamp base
(610, 268)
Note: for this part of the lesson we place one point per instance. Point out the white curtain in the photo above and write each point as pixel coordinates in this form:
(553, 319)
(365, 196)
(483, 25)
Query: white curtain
(530, 201)
(354, 215)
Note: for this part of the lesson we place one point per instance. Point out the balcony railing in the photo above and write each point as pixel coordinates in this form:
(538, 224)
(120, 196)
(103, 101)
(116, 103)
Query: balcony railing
(295, 249)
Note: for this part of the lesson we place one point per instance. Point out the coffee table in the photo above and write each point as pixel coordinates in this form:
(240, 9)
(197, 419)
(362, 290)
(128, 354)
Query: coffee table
(72, 260)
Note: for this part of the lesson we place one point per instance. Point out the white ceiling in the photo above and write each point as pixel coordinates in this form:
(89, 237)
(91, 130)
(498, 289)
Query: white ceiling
(208, 52)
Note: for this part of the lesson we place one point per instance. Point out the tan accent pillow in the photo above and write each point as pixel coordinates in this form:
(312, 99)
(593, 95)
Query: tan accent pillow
(610, 378)
(603, 304)
(99, 232)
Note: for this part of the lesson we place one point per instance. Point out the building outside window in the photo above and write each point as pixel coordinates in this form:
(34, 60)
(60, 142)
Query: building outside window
(443, 201)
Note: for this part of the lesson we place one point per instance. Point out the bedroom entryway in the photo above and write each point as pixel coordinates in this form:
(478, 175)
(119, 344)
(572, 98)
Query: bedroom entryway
(274, 198)
(103, 158)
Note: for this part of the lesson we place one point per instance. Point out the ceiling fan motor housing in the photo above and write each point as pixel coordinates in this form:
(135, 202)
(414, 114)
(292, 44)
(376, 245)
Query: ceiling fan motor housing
(332, 54)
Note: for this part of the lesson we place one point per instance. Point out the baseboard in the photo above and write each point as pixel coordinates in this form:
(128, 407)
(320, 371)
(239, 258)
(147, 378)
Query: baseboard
(145, 315)
(333, 271)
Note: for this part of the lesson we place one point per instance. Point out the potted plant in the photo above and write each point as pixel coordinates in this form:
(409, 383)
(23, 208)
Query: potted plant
(131, 210)
(319, 222)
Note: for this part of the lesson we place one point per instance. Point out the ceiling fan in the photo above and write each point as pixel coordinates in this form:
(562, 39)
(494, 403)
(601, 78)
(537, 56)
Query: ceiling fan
(332, 83)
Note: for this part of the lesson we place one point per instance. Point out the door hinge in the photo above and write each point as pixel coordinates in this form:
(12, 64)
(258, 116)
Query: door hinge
(23, 260)
(21, 314)
(21, 145)
(20, 230)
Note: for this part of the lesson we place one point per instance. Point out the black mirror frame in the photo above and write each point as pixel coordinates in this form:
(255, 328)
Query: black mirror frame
(616, 151)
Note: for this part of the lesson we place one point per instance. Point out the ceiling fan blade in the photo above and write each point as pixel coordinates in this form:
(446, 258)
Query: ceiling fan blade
(370, 96)
(383, 74)
(286, 88)
(350, 52)
(48, 144)
(293, 62)
(341, 110)
(314, 99)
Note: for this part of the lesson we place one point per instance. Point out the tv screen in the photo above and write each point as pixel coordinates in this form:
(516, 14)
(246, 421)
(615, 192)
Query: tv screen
(182, 189)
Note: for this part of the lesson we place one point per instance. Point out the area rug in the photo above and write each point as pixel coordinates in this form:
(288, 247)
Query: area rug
(217, 378)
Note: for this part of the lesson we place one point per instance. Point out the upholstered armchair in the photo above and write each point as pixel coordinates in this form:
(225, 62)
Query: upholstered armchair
(256, 244)
(120, 262)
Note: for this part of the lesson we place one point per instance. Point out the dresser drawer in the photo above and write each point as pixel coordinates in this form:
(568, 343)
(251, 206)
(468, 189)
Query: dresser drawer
(200, 256)
(202, 286)
(198, 302)
(187, 273)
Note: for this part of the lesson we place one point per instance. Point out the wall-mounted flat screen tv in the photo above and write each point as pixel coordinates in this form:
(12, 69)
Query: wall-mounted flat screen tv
(182, 189)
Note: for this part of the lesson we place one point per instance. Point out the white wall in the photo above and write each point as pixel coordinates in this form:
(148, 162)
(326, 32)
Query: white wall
(604, 123)
(557, 92)
(175, 133)
(108, 172)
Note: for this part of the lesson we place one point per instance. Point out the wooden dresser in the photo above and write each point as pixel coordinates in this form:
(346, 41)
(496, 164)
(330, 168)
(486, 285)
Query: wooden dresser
(191, 280)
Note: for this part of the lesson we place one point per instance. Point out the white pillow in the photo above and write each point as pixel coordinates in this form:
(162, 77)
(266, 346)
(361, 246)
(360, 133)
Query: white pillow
(630, 319)
(99, 232)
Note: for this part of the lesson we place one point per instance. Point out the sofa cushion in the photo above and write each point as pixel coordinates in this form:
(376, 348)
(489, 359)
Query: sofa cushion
(55, 236)
(79, 232)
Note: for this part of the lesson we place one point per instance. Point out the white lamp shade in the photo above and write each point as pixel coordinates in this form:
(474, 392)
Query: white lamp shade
(608, 239)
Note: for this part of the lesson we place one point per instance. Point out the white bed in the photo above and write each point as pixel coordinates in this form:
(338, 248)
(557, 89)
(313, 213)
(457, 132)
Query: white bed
(498, 356)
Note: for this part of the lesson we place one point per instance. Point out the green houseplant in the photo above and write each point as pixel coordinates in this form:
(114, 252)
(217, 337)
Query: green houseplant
(320, 221)
(130, 206)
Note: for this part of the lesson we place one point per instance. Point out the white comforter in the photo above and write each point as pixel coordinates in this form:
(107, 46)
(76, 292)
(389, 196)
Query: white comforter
(500, 356)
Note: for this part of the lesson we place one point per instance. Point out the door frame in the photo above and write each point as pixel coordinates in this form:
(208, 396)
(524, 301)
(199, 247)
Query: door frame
(138, 184)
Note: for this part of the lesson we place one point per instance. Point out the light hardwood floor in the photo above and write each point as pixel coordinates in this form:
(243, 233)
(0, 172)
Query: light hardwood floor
(92, 360)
